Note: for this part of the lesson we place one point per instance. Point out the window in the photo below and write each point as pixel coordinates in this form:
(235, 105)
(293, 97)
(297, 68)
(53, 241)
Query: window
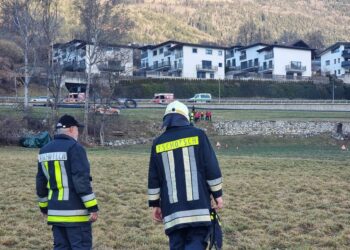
(206, 64)
(338, 60)
(234, 62)
(335, 72)
(220, 52)
(228, 62)
(201, 75)
(220, 65)
(154, 52)
(335, 61)
(209, 51)
(295, 65)
(211, 75)
(256, 62)
(161, 51)
(328, 62)
(338, 71)
(194, 50)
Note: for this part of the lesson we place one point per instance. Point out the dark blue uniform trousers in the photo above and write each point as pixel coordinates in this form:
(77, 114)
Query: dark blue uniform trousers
(72, 238)
(189, 238)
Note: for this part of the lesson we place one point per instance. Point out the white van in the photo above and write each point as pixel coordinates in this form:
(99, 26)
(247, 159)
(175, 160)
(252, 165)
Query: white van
(201, 98)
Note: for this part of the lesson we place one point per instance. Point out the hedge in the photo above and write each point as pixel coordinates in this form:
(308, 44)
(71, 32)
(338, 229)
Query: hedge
(145, 88)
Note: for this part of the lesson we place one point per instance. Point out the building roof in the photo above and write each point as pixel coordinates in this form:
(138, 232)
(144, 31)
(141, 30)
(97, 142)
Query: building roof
(83, 43)
(270, 47)
(181, 44)
(210, 46)
(253, 45)
(334, 46)
(234, 47)
(153, 46)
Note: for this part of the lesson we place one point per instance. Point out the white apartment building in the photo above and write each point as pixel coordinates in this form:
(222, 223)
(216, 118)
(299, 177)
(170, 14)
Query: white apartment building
(335, 60)
(243, 60)
(187, 60)
(270, 61)
(281, 61)
(74, 56)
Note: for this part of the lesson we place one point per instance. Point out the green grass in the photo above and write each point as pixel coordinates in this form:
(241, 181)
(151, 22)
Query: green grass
(285, 193)
(156, 114)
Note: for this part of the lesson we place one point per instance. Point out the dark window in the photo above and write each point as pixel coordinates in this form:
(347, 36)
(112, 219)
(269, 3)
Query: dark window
(328, 62)
(212, 75)
(220, 65)
(228, 63)
(338, 71)
(234, 62)
(244, 65)
(194, 50)
(154, 52)
(256, 62)
(161, 51)
(206, 64)
(335, 61)
(209, 51)
(220, 52)
(200, 74)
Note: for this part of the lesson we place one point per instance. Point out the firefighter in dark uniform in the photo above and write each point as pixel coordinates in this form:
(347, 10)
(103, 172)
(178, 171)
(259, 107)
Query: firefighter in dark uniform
(183, 174)
(63, 186)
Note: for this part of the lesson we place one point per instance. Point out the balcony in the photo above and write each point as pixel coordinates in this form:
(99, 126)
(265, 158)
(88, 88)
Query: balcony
(233, 68)
(295, 68)
(266, 68)
(178, 55)
(207, 68)
(242, 57)
(178, 67)
(144, 55)
(346, 64)
(110, 67)
(74, 66)
(167, 53)
(160, 66)
(346, 54)
(269, 56)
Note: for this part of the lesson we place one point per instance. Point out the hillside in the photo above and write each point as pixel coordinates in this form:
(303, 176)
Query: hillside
(219, 20)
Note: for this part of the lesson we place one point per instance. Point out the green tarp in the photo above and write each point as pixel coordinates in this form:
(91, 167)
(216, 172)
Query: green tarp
(35, 141)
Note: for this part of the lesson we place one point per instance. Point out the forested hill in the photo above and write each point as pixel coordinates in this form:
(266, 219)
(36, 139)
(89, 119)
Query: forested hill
(219, 21)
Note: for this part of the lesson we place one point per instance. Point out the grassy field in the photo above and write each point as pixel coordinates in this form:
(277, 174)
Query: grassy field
(279, 193)
(156, 114)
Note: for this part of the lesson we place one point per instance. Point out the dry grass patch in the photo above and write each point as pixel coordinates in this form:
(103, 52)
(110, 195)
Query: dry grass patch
(270, 202)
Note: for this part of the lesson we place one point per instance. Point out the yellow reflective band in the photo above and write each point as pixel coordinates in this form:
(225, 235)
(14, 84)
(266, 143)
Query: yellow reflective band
(46, 164)
(58, 176)
(180, 143)
(43, 204)
(50, 194)
(80, 218)
(90, 203)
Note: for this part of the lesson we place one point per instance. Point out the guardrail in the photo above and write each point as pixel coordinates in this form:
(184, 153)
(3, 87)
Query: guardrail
(223, 101)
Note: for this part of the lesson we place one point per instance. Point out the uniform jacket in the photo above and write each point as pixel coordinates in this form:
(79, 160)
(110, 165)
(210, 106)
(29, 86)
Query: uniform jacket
(183, 172)
(63, 183)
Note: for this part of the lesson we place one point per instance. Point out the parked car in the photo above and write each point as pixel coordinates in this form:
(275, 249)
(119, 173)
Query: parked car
(41, 100)
(201, 98)
(163, 98)
(105, 109)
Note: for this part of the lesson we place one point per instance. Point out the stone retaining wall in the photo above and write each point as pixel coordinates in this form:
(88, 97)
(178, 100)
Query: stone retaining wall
(298, 128)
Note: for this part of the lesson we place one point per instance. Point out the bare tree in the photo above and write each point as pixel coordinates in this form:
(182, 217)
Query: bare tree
(315, 39)
(21, 13)
(94, 16)
(249, 33)
(49, 24)
(116, 67)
